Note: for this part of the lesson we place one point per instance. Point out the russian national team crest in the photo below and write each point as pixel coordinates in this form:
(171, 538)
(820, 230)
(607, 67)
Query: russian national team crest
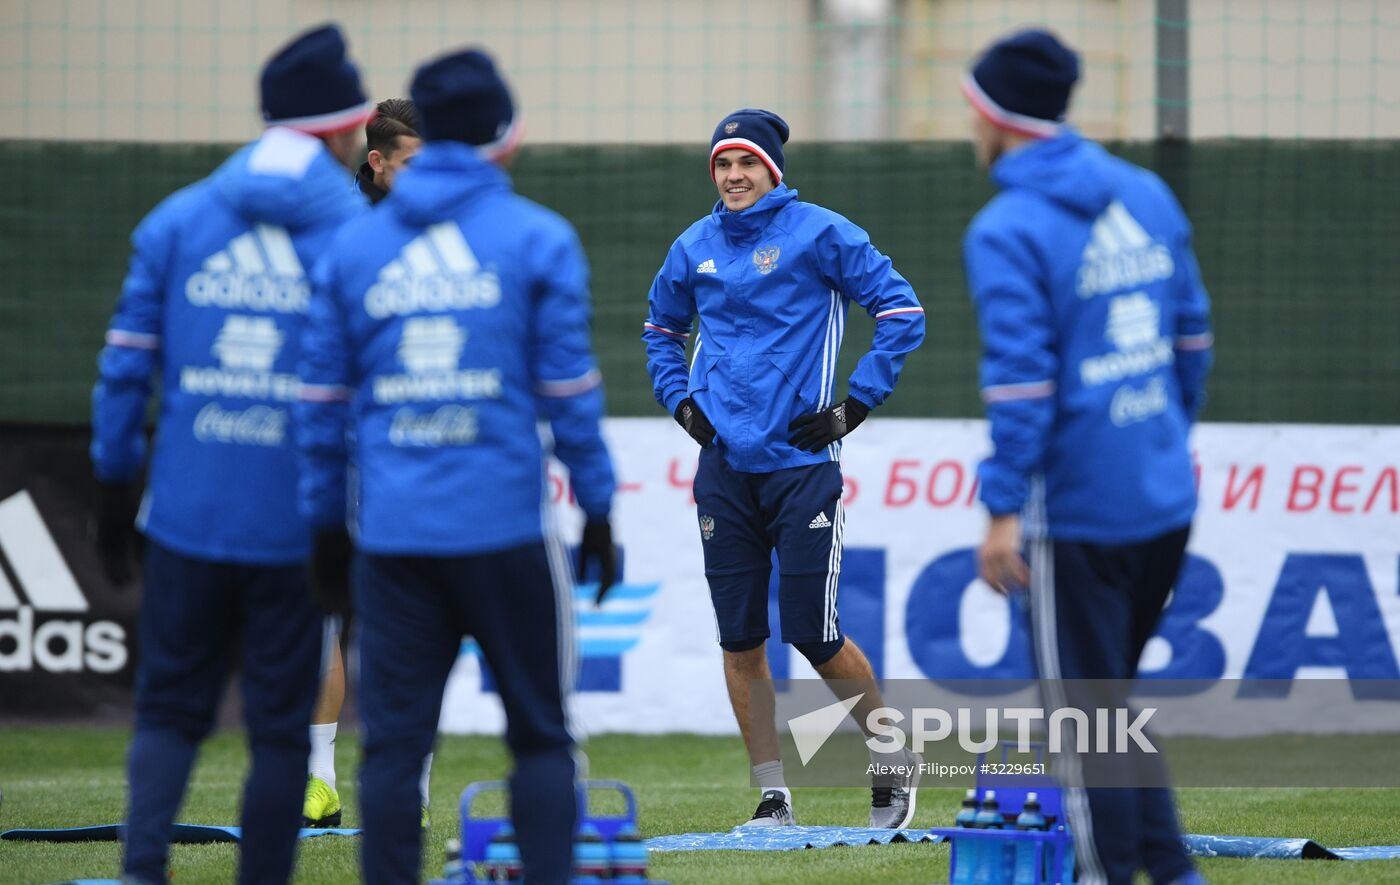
(707, 527)
(766, 259)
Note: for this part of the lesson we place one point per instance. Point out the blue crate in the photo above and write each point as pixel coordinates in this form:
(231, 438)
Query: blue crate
(477, 832)
(1011, 791)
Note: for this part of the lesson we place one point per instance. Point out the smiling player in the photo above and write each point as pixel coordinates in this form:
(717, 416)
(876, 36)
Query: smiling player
(771, 278)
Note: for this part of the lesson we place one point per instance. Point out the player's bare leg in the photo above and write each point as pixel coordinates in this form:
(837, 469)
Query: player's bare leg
(750, 685)
(332, 696)
(753, 706)
(321, 808)
(892, 793)
(849, 673)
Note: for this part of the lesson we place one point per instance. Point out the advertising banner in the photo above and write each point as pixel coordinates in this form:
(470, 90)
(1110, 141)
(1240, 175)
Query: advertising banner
(1292, 572)
(67, 637)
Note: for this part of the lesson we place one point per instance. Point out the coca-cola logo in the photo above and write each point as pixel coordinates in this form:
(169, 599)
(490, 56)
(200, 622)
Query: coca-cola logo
(1131, 405)
(448, 426)
(254, 426)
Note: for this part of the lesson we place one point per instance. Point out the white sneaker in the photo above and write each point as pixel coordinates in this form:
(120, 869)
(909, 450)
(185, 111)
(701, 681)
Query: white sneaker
(892, 795)
(773, 811)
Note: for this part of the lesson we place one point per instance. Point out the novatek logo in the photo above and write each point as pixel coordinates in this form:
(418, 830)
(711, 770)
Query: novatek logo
(1134, 327)
(250, 343)
(431, 344)
(58, 645)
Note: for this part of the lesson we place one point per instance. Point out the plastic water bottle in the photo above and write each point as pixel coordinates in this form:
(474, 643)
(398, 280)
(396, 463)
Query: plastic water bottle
(1067, 870)
(503, 857)
(628, 856)
(590, 856)
(453, 870)
(966, 850)
(991, 866)
(1027, 872)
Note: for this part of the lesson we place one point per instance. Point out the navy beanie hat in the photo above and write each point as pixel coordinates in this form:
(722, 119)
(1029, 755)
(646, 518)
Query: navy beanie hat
(1022, 83)
(310, 85)
(461, 97)
(759, 132)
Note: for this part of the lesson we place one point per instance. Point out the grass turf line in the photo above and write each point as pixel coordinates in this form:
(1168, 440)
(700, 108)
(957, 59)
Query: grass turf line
(74, 776)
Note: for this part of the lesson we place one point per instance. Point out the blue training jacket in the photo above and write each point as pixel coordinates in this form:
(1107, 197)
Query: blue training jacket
(214, 302)
(771, 285)
(1096, 343)
(442, 325)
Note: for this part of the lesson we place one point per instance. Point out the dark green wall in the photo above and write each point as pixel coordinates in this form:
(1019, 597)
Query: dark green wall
(1299, 243)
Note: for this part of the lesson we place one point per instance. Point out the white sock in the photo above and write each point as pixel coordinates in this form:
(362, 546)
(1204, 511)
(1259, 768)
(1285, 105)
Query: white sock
(769, 776)
(898, 757)
(322, 761)
(423, 779)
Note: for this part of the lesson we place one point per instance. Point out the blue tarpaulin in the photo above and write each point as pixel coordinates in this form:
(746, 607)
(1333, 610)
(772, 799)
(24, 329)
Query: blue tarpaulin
(181, 834)
(772, 839)
(788, 838)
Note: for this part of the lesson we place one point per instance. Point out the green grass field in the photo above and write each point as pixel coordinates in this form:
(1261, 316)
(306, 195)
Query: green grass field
(74, 776)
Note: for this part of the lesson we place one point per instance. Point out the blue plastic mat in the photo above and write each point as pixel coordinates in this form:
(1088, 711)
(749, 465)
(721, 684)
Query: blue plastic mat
(785, 838)
(182, 834)
(1256, 846)
(791, 838)
(1304, 849)
(765, 839)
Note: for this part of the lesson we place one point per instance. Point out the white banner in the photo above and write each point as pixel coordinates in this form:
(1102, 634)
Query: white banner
(1292, 572)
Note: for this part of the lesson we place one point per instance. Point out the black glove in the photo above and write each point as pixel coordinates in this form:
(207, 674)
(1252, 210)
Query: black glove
(689, 416)
(816, 431)
(118, 543)
(331, 551)
(597, 545)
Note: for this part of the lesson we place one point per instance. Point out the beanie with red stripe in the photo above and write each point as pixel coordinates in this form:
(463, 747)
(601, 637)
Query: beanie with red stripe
(762, 133)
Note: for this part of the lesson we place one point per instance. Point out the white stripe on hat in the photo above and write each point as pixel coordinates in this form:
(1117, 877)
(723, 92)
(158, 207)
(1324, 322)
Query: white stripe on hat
(752, 147)
(320, 124)
(509, 141)
(999, 116)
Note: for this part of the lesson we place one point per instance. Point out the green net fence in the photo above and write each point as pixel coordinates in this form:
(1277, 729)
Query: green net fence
(1286, 117)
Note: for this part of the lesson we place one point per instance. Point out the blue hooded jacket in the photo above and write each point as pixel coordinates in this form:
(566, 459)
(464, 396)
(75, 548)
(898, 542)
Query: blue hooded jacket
(771, 285)
(214, 301)
(1096, 343)
(443, 324)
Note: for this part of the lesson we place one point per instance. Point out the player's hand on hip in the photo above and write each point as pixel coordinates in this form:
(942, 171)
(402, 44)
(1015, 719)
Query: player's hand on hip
(597, 545)
(118, 543)
(999, 561)
(689, 417)
(331, 553)
(817, 430)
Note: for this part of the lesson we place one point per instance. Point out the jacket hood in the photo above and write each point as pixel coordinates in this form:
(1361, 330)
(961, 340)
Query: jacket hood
(442, 177)
(287, 178)
(1068, 169)
(749, 223)
(364, 180)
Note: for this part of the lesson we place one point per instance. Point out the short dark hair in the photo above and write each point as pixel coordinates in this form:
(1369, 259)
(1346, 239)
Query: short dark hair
(393, 117)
